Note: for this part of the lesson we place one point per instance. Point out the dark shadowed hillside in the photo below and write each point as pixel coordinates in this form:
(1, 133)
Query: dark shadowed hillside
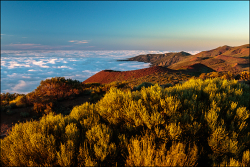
(161, 59)
(198, 67)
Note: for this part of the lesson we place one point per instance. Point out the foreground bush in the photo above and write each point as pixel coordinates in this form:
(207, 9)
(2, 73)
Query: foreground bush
(194, 124)
(50, 91)
(10, 101)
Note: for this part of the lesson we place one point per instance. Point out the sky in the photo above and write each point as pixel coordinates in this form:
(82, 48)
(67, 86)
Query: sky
(123, 25)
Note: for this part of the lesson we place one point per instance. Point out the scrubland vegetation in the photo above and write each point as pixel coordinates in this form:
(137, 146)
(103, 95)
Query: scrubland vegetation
(45, 97)
(201, 122)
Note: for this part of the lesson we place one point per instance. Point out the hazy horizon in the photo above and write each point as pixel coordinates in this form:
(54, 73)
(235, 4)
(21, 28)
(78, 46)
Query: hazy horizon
(123, 25)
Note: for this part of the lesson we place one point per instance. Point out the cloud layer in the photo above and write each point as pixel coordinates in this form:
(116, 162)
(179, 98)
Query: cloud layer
(22, 71)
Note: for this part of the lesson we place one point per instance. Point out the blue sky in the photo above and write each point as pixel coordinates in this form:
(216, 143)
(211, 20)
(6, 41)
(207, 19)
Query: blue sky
(123, 25)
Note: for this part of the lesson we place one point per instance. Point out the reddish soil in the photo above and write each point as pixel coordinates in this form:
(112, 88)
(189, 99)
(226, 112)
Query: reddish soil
(231, 59)
(197, 67)
(214, 52)
(241, 51)
(107, 76)
(238, 51)
(194, 59)
(7, 121)
(244, 51)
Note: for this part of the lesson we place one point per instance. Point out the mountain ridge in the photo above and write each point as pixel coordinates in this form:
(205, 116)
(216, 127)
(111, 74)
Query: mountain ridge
(161, 59)
(223, 58)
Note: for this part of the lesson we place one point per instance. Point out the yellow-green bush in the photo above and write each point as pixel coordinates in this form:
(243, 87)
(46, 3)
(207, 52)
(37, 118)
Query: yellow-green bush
(19, 101)
(229, 75)
(144, 152)
(245, 75)
(11, 101)
(203, 76)
(7, 97)
(194, 123)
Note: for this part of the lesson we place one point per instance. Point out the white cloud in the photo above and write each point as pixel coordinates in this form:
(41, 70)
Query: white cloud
(40, 64)
(22, 87)
(79, 42)
(193, 52)
(52, 61)
(91, 72)
(30, 46)
(6, 35)
(13, 75)
(22, 71)
(24, 44)
(14, 64)
(2, 63)
(26, 77)
(19, 85)
(65, 67)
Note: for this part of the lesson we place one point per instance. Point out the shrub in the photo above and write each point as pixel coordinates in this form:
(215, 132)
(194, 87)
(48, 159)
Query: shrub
(52, 90)
(19, 101)
(144, 84)
(213, 74)
(143, 152)
(4, 108)
(228, 76)
(24, 114)
(166, 85)
(32, 147)
(10, 112)
(7, 97)
(203, 76)
(245, 75)
(12, 105)
(194, 123)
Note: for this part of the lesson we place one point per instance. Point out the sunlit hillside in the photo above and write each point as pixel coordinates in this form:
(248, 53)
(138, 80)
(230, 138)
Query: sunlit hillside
(224, 59)
(221, 59)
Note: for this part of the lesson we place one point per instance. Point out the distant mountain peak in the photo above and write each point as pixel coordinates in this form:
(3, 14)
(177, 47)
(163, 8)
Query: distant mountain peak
(225, 47)
(185, 53)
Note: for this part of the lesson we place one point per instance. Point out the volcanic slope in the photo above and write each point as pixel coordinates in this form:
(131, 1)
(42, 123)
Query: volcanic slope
(223, 58)
(197, 67)
(238, 51)
(107, 76)
(161, 59)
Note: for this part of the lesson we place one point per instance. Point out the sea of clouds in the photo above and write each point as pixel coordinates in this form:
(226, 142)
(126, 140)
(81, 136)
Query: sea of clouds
(22, 71)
